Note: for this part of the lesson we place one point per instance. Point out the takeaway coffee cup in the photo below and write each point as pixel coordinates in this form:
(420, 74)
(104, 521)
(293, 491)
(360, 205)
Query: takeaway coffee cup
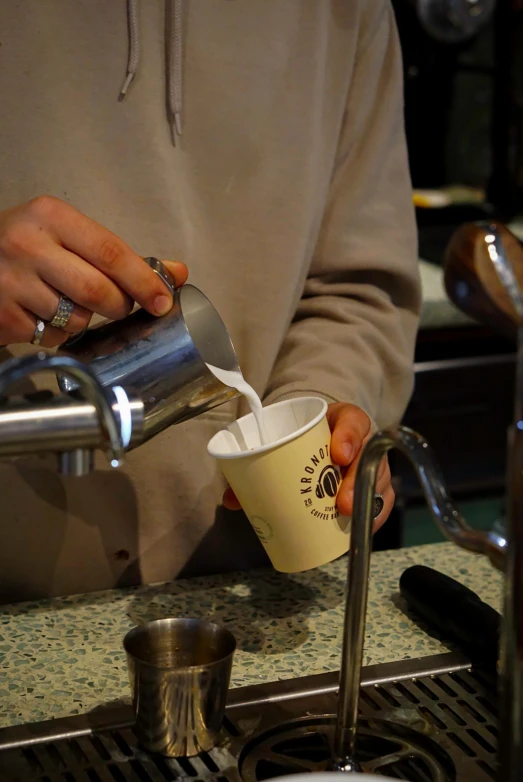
(287, 488)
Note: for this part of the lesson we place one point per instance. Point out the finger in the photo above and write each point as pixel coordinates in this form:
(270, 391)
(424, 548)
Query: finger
(345, 498)
(345, 503)
(39, 298)
(388, 504)
(384, 477)
(350, 475)
(178, 271)
(16, 325)
(230, 500)
(54, 337)
(109, 254)
(349, 426)
(83, 283)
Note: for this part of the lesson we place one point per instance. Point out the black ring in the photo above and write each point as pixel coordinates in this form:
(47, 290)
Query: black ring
(379, 504)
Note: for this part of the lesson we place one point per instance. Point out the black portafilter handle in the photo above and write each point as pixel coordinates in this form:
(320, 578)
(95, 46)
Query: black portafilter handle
(454, 611)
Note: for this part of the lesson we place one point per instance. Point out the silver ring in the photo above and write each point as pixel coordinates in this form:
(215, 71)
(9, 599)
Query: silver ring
(63, 312)
(39, 332)
(165, 276)
(379, 502)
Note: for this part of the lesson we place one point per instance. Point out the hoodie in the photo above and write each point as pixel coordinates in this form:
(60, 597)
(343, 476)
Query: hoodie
(261, 142)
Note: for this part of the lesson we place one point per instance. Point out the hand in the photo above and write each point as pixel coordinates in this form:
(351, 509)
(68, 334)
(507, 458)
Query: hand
(350, 428)
(48, 248)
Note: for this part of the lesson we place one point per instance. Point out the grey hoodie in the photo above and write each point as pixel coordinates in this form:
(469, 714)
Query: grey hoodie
(288, 196)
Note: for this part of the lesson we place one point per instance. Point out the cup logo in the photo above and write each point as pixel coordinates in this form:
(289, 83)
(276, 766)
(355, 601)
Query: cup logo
(328, 482)
(262, 528)
(319, 485)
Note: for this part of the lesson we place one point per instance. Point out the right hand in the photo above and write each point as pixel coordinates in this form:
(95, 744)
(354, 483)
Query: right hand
(48, 248)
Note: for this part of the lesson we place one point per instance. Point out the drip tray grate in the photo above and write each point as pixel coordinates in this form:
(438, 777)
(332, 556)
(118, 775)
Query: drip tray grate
(428, 720)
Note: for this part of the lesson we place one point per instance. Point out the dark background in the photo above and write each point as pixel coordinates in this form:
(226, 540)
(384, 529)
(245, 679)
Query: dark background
(464, 125)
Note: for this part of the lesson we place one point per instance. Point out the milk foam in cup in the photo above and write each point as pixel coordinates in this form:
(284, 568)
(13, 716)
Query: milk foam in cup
(287, 486)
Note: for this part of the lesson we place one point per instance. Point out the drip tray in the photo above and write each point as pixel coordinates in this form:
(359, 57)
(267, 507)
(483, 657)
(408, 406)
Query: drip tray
(428, 720)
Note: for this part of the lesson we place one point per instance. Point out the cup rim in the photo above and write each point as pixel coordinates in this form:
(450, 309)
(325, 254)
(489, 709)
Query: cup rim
(179, 668)
(277, 443)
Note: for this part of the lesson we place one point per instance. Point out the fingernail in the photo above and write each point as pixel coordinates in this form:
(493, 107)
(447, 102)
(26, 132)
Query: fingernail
(162, 304)
(347, 451)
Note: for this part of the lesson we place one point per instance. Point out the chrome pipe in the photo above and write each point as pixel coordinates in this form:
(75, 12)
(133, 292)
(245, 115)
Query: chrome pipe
(60, 424)
(19, 368)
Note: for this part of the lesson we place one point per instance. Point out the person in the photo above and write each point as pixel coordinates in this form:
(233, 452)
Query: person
(263, 145)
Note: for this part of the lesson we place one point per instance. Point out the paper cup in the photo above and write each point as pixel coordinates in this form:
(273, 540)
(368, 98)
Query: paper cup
(288, 488)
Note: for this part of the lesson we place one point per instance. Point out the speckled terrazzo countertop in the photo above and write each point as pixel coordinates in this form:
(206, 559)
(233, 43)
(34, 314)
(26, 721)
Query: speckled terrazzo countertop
(64, 656)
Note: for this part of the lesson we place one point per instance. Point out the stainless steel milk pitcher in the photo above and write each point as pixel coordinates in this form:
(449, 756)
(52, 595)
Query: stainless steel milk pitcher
(163, 361)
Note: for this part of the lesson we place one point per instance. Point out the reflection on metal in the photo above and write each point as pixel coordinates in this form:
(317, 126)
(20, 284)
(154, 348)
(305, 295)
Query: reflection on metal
(503, 267)
(454, 21)
(429, 720)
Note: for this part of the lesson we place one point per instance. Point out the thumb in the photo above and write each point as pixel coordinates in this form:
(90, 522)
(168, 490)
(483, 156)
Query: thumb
(349, 426)
(178, 270)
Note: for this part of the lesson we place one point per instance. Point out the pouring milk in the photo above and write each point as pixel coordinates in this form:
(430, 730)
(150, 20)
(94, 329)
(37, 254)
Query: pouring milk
(235, 379)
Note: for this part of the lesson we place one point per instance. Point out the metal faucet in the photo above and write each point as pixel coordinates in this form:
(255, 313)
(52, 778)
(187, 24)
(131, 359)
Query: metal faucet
(505, 553)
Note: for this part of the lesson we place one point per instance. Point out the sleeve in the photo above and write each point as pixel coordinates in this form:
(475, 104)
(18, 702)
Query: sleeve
(353, 334)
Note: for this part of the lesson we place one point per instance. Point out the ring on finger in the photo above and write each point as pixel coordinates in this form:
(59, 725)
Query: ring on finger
(39, 332)
(379, 504)
(63, 312)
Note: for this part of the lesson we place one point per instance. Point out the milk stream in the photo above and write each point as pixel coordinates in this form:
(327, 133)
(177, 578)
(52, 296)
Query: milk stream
(235, 379)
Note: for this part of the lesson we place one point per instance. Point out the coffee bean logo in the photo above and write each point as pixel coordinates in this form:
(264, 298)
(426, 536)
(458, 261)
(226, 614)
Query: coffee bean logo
(328, 482)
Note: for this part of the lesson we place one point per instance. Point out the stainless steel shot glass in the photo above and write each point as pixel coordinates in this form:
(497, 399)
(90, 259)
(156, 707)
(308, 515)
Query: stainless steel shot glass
(179, 670)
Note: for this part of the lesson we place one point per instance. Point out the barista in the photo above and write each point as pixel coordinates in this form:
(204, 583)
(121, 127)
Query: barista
(264, 146)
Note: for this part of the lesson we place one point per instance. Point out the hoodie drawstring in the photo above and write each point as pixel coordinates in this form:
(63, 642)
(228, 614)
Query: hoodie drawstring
(174, 69)
(133, 56)
(173, 64)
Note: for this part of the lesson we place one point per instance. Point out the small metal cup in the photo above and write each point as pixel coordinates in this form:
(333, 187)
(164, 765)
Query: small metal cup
(179, 670)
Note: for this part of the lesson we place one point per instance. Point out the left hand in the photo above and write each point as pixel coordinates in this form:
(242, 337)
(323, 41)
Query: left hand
(350, 428)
